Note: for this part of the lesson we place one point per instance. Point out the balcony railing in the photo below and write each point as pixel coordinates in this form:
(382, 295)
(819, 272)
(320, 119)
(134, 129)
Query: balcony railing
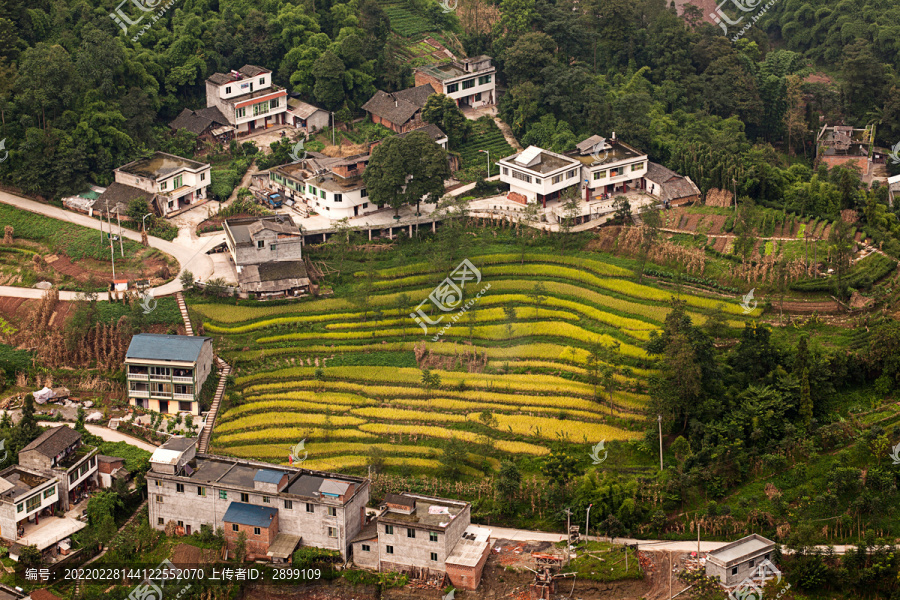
(180, 379)
(139, 393)
(166, 378)
(161, 395)
(138, 376)
(184, 397)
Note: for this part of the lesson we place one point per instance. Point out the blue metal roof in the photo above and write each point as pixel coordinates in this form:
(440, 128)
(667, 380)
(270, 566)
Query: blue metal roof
(268, 476)
(248, 514)
(156, 346)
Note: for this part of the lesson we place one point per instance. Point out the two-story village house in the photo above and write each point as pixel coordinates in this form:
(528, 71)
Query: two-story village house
(268, 255)
(471, 82)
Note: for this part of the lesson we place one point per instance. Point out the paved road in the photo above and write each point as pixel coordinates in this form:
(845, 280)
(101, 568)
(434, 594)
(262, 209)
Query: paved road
(524, 535)
(191, 254)
(107, 434)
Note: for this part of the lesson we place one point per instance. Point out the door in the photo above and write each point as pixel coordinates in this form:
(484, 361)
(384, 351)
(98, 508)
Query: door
(355, 211)
(187, 530)
(164, 406)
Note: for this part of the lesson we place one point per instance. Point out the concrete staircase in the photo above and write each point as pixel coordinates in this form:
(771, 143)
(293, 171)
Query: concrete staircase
(224, 371)
(184, 313)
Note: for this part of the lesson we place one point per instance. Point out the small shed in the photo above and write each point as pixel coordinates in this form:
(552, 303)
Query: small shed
(282, 548)
(737, 561)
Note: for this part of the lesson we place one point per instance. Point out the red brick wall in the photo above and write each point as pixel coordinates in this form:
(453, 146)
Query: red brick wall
(468, 578)
(256, 544)
(422, 79)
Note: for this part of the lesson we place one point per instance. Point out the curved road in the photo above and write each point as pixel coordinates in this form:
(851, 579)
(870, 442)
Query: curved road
(190, 254)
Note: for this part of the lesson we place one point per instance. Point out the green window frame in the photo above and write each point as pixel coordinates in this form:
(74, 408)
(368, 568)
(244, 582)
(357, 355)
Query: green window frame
(33, 503)
(322, 194)
(484, 79)
(599, 175)
(468, 84)
(637, 166)
(49, 492)
(223, 495)
(20, 507)
(452, 88)
(179, 181)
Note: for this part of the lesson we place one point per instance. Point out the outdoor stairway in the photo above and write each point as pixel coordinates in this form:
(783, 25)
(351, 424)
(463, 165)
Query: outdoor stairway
(224, 371)
(184, 313)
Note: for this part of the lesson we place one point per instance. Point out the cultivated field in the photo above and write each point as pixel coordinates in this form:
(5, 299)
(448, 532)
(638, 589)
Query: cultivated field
(513, 373)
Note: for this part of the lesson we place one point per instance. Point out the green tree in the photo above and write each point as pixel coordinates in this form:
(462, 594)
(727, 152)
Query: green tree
(430, 380)
(622, 208)
(452, 458)
(442, 111)
(240, 547)
(406, 170)
(328, 71)
(30, 557)
(559, 467)
(507, 485)
(538, 295)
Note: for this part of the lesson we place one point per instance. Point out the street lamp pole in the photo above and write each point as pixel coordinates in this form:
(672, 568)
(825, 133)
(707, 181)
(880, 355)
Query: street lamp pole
(488, 152)
(119, 222)
(659, 420)
(144, 221)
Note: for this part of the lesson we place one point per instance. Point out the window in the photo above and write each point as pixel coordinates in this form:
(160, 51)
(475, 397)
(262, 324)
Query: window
(311, 190)
(364, 193)
(256, 531)
(260, 244)
(262, 81)
(322, 194)
(521, 176)
(21, 507)
(273, 103)
(389, 549)
(33, 503)
(160, 521)
(245, 497)
(599, 175)
(241, 112)
(752, 562)
(265, 499)
(158, 483)
(365, 205)
(469, 84)
(288, 504)
(766, 557)
(234, 527)
(389, 529)
(272, 247)
(432, 536)
(310, 508)
(556, 179)
(72, 476)
(478, 97)
(202, 176)
(228, 90)
(537, 181)
(159, 499)
(163, 185)
(505, 171)
(570, 174)
(734, 570)
(201, 491)
(179, 487)
(181, 523)
(637, 166)
(260, 108)
(338, 197)
(332, 511)
(332, 532)
(49, 492)
(366, 548)
(93, 461)
(484, 79)
(410, 532)
(179, 181)
(223, 495)
(434, 556)
(453, 87)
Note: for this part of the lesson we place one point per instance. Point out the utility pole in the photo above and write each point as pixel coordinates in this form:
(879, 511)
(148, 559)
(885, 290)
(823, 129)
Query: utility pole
(121, 249)
(659, 420)
(112, 250)
(698, 536)
(670, 575)
(569, 526)
(587, 524)
(734, 183)
(332, 129)
(488, 161)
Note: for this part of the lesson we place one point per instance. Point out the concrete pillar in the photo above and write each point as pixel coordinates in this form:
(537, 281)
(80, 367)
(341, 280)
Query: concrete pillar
(410, 231)
(370, 235)
(433, 229)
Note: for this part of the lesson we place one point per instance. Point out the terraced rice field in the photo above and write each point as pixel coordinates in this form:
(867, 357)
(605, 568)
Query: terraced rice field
(513, 370)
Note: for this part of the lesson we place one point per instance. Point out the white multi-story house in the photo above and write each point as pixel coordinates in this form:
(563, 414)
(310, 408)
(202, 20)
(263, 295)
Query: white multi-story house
(171, 184)
(609, 167)
(166, 373)
(248, 98)
(471, 82)
(537, 175)
(333, 187)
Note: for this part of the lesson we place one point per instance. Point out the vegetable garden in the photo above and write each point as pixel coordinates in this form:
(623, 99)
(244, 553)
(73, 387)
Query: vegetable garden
(355, 377)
